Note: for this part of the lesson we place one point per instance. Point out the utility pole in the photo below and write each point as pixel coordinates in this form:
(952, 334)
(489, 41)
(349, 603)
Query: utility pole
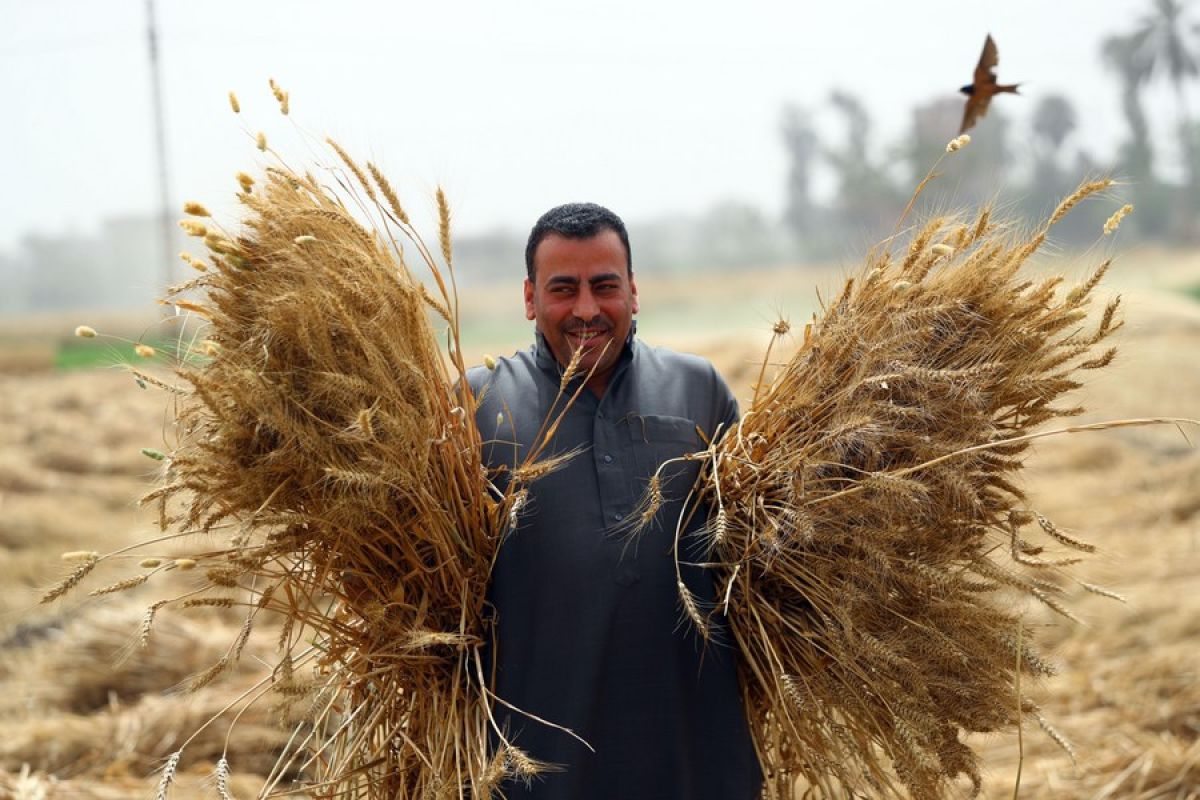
(160, 140)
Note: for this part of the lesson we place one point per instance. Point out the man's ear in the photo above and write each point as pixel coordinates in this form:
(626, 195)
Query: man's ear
(529, 312)
(633, 291)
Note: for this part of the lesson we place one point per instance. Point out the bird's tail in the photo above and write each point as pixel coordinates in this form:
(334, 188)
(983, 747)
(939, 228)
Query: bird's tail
(1007, 87)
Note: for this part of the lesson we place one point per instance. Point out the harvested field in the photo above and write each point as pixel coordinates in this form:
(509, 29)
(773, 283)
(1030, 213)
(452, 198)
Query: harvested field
(74, 723)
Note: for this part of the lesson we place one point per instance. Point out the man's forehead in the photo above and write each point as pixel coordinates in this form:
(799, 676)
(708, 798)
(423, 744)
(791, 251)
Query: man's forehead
(557, 253)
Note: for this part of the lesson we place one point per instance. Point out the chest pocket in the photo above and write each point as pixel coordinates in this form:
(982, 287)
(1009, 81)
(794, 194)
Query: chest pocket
(657, 439)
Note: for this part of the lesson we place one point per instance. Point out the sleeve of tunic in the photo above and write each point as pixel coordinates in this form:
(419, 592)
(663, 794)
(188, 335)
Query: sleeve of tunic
(725, 405)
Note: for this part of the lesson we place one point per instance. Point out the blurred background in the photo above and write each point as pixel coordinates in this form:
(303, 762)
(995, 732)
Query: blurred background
(755, 152)
(776, 135)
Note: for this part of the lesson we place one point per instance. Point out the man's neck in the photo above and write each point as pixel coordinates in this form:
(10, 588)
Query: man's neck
(596, 383)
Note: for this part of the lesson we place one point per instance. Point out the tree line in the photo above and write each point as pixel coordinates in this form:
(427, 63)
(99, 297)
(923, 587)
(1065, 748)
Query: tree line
(870, 190)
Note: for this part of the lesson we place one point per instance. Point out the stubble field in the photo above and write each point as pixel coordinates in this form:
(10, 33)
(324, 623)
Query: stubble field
(80, 719)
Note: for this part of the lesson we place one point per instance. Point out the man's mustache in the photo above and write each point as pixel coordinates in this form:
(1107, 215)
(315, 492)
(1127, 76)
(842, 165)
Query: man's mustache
(594, 325)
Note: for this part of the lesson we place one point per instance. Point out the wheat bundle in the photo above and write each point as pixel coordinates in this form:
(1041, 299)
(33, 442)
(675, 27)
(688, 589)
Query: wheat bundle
(321, 431)
(325, 426)
(866, 523)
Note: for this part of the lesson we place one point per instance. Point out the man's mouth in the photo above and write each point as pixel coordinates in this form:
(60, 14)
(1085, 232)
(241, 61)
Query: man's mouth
(587, 337)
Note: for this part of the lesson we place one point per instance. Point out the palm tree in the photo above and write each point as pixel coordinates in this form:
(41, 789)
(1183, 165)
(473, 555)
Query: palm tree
(866, 197)
(1159, 44)
(1054, 119)
(803, 146)
(1126, 56)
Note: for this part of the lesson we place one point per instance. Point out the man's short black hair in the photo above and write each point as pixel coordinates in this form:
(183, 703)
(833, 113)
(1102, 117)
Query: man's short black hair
(576, 221)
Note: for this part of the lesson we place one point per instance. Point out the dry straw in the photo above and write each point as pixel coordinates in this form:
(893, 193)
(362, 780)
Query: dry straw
(871, 536)
(326, 435)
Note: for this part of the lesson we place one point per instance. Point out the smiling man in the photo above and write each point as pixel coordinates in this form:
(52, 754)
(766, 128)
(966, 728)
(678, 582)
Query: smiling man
(588, 633)
(586, 297)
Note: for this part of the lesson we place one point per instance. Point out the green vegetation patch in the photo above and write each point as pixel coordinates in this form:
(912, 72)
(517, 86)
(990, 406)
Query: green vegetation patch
(74, 353)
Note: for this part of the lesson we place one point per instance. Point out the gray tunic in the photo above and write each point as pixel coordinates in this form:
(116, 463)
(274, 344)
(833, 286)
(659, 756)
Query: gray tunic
(589, 632)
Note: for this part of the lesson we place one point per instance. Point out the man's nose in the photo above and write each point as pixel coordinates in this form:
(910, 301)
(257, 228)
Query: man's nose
(586, 308)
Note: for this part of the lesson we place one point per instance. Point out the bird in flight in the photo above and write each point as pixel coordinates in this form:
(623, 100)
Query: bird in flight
(979, 93)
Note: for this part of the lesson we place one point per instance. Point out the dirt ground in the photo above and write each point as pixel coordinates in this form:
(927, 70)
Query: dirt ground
(76, 721)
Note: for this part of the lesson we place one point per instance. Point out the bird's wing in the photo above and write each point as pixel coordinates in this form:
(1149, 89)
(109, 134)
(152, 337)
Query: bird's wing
(988, 60)
(976, 107)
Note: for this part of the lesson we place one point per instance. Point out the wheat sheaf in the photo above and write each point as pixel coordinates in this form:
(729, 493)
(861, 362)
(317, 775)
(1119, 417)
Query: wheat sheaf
(869, 535)
(327, 443)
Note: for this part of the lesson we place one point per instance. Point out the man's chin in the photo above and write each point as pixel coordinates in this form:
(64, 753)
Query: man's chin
(593, 360)
(594, 344)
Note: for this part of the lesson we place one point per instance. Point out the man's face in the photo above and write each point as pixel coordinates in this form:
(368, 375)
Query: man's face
(582, 296)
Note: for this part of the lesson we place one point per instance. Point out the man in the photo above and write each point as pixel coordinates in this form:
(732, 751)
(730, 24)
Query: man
(589, 634)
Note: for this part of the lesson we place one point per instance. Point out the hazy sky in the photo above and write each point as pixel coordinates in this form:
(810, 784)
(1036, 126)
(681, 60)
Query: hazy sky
(646, 106)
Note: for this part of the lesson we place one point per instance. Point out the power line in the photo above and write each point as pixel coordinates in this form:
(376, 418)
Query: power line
(160, 141)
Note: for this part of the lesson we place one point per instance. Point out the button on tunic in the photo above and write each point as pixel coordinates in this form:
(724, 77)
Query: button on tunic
(588, 629)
